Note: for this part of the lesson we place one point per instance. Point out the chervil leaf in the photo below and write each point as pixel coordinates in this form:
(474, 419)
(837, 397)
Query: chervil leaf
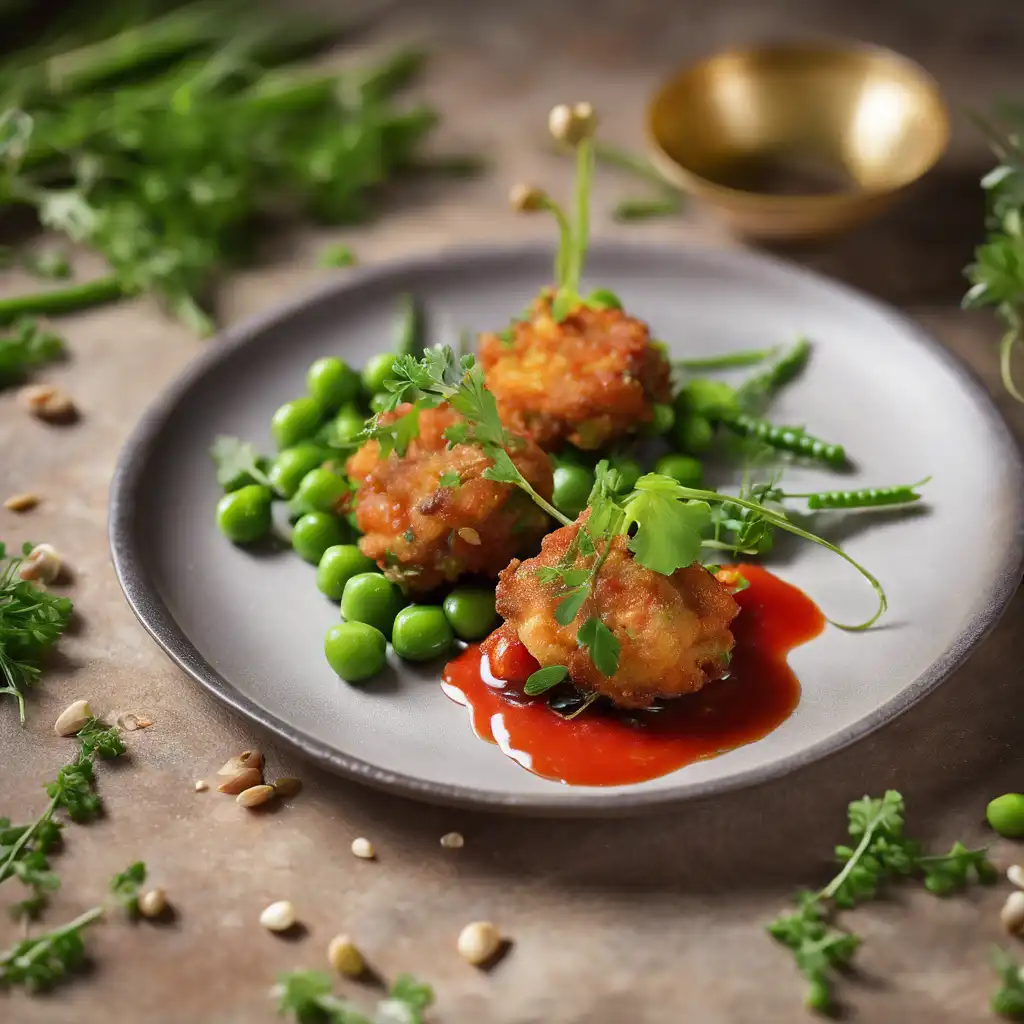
(669, 531)
(601, 644)
(545, 678)
(238, 463)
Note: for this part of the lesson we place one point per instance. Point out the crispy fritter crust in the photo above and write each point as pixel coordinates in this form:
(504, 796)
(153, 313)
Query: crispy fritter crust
(589, 380)
(422, 534)
(674, 630)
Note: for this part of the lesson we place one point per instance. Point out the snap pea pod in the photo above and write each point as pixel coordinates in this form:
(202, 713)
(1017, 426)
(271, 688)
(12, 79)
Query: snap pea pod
(865, 497)
(766, 382)
(787, 439)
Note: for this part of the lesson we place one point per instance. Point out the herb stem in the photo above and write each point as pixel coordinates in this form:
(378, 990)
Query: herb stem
(584, 174)
(45, 942)
(616, 156)
(12, 856)
(563, 258)
(1006, 347)
(865, 841)
(784, 524)
(62, 300)
(747, 357)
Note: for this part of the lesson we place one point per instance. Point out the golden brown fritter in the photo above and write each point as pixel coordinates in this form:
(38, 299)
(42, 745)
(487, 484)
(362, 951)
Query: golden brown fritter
(674, 630)
(589, 380)
(423, 534)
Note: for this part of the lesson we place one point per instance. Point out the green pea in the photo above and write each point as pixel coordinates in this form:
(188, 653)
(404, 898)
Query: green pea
(377, 371)
(1006, 815)
(370, 597)
(348, 424)
(379, 401)
(630, 469)
(355, 650)
(314, 533)
(244, 515)
(684, 468)
(663, 416)
(693, 434)
(295, 421)
(291, 466)
(321, 490)
(471, 612)
(573, 485)
(421, 632)
(338, 565)
(331, 383)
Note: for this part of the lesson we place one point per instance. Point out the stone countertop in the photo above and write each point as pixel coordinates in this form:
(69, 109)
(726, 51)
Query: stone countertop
(642, 921)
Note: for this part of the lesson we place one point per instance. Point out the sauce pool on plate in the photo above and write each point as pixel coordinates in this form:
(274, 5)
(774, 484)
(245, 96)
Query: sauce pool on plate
(616, 747)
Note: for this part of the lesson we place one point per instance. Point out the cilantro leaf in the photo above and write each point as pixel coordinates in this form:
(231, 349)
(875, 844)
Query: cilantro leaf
(449, 478)
(1008, 999)
(669, 531)
(238, 463)
(569, 606)
(601, 644)
(504, 469)
(336, 256)
(545, 678)
(30, 345)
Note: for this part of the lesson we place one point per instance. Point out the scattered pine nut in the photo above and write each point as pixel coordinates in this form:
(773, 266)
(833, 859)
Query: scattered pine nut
(72, 718)
(363, 848)
(21, 502)
(49, 403)
(42, 563)
(152, 902)
(480, 940)
(344, 957)
(247, 779)
(255, 796)
(1015, 873)
(453, 841)
(278, 917)
(288, 786)
(1012, 914)
(469, 535)
(240, 762)
(201, 786)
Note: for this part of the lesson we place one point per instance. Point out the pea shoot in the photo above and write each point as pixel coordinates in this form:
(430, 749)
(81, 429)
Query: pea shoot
(880, 853)
(997, 273)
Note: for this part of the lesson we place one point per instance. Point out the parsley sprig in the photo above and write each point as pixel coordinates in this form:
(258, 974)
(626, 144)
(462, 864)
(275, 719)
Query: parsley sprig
(42, 962)
(880, 853)
(308, 998)
(25, 849)
(29, 345)
(997, 273)
(31, 622)
(1008, 998)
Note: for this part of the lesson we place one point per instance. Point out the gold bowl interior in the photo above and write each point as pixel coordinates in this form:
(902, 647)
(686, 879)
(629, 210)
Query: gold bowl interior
(772, 128)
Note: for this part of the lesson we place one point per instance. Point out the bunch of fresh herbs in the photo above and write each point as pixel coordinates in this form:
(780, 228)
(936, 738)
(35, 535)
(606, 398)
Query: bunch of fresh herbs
(171, 145)
(31, 622)
(997, 273)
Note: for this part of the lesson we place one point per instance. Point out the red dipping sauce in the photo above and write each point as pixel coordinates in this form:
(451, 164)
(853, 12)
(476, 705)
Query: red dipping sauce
(615, 748)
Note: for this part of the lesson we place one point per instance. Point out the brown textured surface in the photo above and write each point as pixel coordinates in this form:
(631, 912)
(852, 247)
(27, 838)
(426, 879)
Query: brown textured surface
(646, 921)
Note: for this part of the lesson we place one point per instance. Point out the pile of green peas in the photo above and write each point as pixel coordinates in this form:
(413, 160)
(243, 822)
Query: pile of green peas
(308, 473)
(574, 474)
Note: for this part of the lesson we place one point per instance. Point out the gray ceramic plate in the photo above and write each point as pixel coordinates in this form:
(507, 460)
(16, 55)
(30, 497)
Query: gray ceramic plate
(250, 629)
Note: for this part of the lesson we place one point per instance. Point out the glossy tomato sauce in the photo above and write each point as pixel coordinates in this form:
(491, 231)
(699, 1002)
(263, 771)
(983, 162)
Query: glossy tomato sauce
(614, 748)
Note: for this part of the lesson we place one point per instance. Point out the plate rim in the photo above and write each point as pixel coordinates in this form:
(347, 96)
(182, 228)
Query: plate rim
(152, 612)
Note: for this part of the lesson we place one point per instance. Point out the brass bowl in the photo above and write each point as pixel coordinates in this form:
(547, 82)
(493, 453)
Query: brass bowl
(797, 140)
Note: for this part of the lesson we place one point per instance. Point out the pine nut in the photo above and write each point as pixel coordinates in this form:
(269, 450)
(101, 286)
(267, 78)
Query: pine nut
(479, 941)
(73, 718)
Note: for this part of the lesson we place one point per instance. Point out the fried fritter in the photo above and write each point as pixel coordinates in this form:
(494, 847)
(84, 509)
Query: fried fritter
(674, 630)
(589, 380)
(422, 533)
